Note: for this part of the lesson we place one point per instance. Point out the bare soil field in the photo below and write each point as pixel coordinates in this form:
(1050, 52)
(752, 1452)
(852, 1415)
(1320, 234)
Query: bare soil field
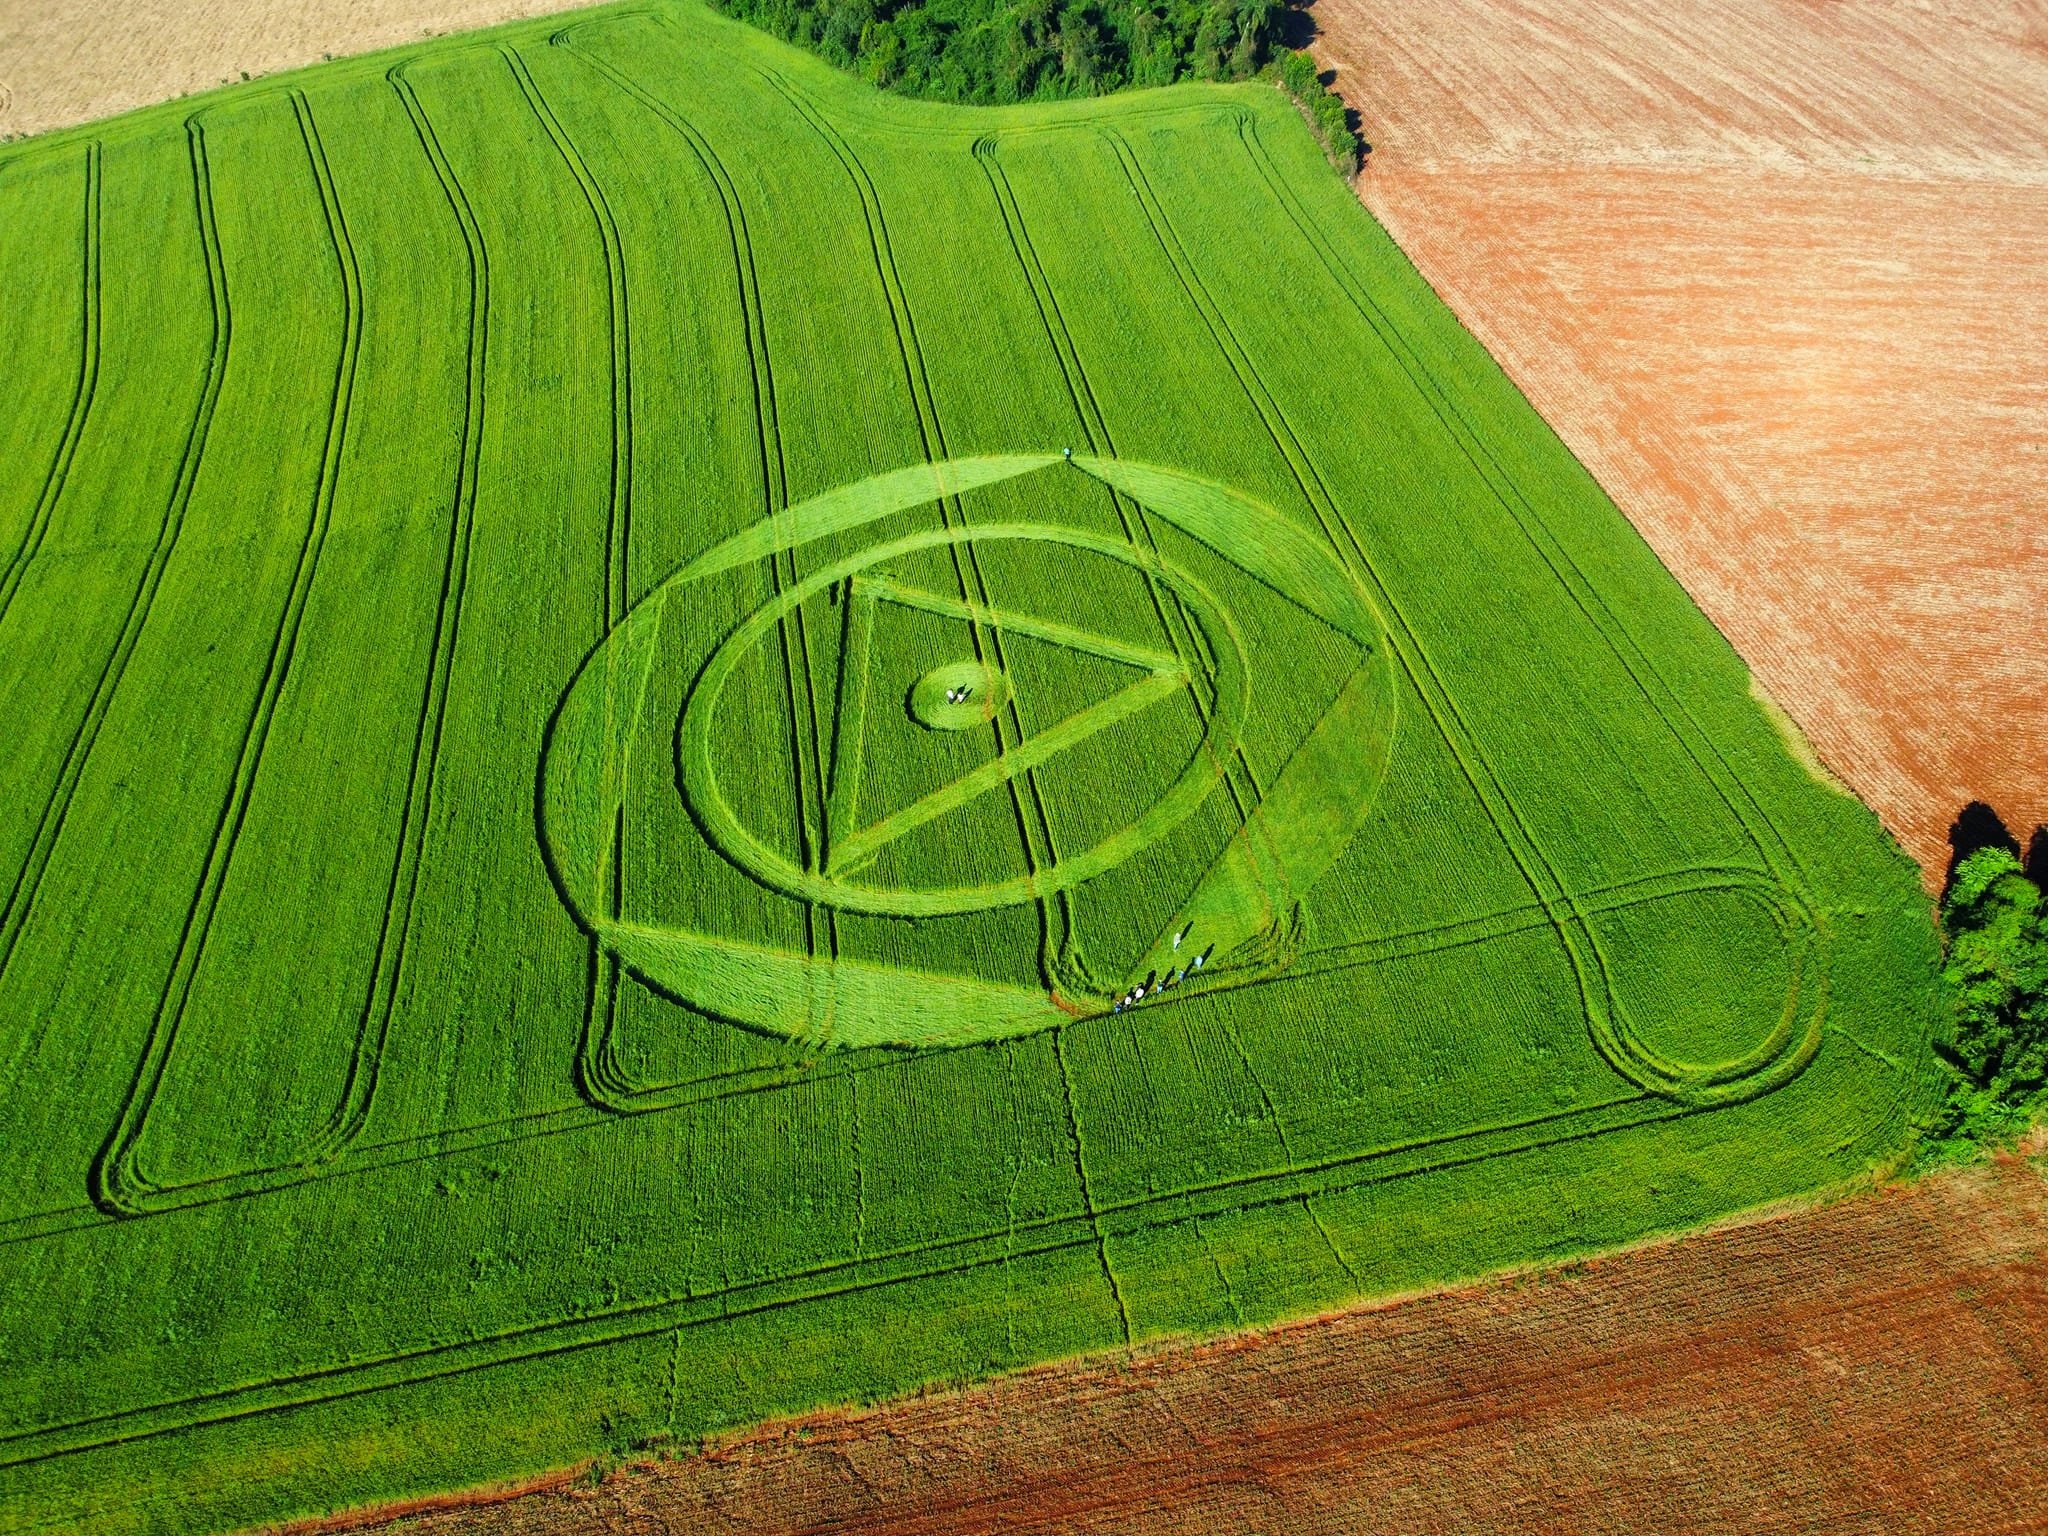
(69, 61)
(1777, 271)
(1874, 1365)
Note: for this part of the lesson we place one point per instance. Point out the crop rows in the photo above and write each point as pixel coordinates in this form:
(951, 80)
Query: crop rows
(512, 928)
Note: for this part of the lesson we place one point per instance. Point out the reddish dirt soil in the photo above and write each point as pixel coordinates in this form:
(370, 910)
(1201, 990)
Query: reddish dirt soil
(1877, 1365)
(70, 61)
(1777, 271)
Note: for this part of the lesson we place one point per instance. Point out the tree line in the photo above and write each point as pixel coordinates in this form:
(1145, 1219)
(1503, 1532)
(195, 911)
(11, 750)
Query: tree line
(994, 52)
(998, 51)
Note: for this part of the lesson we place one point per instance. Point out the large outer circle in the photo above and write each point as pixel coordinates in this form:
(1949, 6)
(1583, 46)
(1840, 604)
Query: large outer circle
(697, 771)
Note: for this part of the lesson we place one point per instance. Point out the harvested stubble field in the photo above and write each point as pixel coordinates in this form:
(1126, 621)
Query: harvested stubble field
(623, 654)
(1871, 1366)
(1778, 273)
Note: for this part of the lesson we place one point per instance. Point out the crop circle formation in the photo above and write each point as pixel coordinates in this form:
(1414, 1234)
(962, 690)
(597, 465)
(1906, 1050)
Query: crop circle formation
(585, 766)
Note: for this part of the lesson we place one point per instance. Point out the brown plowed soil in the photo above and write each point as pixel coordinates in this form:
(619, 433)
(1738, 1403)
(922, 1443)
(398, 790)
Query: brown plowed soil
(70, 61)
(1877, 1365)
(1777, 271)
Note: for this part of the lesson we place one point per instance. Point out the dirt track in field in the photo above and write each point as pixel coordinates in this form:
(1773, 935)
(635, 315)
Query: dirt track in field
(1777, 271)
(70, 61)
(1877, 1365)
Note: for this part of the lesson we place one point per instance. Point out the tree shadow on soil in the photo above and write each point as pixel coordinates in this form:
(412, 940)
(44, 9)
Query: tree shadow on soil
(1297, 27)
(1976, 827)
(2036, 861)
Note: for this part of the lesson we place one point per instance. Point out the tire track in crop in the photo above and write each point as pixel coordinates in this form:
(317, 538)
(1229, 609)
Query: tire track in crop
(1063, 962)
(85, 386)
(605, 1079)
(1528, 856)
(794, 632)
(812, 793)
(433, 1146)
(1616, 1040)
(27, 882)
(618, 341)
(1060, 963)
(1095, 431)
(932, 431)
(406, 1151)
(1088, 1202)
(1785, 864)
(1528, 519)
(116, 1183)
(423, 770)
(1095, 427)
(1491, 927)
(601, 1000)
(835, 1279)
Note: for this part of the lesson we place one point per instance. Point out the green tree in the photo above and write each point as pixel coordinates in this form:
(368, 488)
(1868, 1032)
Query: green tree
(1080, 48)
(1024, 50)
(881, 53)
(1998, 967)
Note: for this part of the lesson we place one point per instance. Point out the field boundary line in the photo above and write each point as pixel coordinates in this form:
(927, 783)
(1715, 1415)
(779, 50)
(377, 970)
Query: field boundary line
(837, 1278)
(27, 883)
(117, 1184)
(84, 388)
(1703, 747)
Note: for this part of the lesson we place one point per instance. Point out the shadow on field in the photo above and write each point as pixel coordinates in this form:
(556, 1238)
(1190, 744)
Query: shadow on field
(1977, 826)
(1297, 27)
(1297, 30)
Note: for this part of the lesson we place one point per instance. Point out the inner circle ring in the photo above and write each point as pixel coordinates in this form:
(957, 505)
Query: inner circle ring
(695, 737)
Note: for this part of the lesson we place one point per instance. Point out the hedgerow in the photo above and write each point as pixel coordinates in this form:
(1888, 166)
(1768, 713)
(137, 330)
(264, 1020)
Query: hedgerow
(1302, 77)
(1000, 51)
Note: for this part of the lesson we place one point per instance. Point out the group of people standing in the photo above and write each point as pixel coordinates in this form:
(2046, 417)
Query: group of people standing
(1152, 986)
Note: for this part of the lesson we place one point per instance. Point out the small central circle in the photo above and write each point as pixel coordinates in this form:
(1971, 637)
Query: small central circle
(958, 696)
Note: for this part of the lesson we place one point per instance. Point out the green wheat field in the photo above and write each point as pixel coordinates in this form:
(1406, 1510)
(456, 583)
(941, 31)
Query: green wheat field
(618, 656)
